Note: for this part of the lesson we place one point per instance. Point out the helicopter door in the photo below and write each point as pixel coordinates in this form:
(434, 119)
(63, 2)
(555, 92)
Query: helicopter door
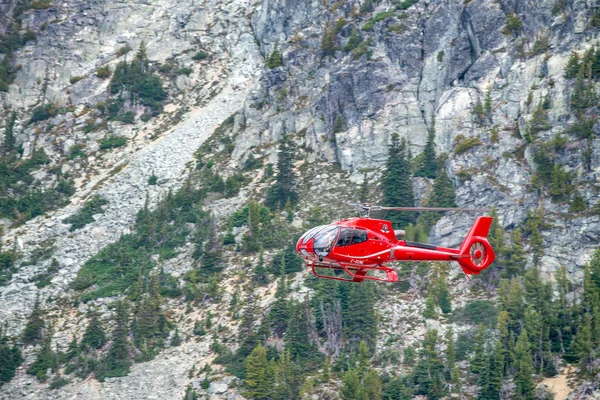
(349, 238)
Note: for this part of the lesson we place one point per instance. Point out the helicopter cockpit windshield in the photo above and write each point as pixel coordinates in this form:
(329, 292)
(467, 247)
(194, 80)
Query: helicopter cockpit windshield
(324, 240)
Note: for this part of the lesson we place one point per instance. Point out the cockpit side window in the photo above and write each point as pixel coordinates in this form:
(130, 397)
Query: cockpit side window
(359, 236)
(345, 237)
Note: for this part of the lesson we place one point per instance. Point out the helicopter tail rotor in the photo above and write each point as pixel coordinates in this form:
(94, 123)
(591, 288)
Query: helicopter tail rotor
(476, 253)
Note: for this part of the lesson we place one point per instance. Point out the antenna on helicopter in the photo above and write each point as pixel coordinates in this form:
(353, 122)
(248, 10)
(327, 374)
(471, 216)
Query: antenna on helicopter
(366, 208)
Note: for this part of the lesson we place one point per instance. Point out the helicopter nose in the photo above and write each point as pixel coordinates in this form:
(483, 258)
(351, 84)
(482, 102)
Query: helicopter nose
(305, 249)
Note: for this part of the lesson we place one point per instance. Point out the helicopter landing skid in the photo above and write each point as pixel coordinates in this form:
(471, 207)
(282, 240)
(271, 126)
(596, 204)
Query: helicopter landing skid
(358, 275)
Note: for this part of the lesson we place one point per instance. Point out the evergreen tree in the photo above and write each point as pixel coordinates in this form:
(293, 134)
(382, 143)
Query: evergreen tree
(72, 349)
(583, 95)
(328, 45)
(256, 364)
(360, 320)
(260, 271)
(10, 359)
(283, 189)
(397, 389)
(297, 340)
(279, 314)
(503, 345)
(397, 183)
(35, 325)
(372, 388)
(9, 137)
(428, 373)
(585, 348)
(515, 261)
(94, 336)
(450, 352)
(247, 335)
(353, 41)
(351, 386)
(118, 361)
(429, 311)
(429, 165)
(479, 357)
(525, 386)
(572, 67)
(46, 359)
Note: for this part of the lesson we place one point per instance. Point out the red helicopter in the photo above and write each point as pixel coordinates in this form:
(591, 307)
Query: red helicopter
(361, 245)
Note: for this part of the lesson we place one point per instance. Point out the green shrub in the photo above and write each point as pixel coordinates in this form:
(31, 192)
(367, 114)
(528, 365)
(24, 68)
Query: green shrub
(41, 4)
(74, 79)
(184, 71)
(465, 144)
(403, 5)
(401, 28)
(328, 45)
(152, 180)
(378, 17)
(476, 312)
(43, 113)
(85, 215)
(513, 25)
(124, 50)
(112, 142)
(353, 41)
(274, 60)
(200, 55)
(104, 72)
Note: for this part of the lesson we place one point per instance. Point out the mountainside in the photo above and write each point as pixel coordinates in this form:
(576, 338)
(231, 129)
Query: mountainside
(159, 159)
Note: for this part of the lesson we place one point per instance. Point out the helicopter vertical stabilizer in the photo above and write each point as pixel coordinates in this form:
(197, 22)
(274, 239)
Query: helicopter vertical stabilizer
(476, 253)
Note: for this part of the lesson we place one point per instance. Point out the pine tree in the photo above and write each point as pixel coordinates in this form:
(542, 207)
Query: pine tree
(583, 95)
(9, 137)
(478, 361)
(503, 345)
(353, 41)
(247, 335)
(117, 360)
(10, 359)
(35, 325)
(46, 359)
(584, 346)
(429, 311)
(572, 67)
(397, 183)
(260, 271)
(429, 165)
(297, 340)
(525, 386)
(94, 336)
(442, 195)
(351, 386)
(360, 320)
(256, 364)
(283, 188)
(450, 352)
(328, 41)
(280, 309)
(372, 387)
(428, 373)
(72, 348)
(515, 261)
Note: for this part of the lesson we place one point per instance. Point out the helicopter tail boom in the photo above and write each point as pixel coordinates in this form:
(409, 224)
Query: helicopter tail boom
(476, 253)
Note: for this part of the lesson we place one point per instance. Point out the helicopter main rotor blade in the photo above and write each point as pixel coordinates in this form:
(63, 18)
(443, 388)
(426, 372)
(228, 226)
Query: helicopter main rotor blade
(432, 209)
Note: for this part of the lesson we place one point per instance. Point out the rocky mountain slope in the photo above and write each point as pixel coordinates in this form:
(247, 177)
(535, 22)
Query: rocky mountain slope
(338, 78)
